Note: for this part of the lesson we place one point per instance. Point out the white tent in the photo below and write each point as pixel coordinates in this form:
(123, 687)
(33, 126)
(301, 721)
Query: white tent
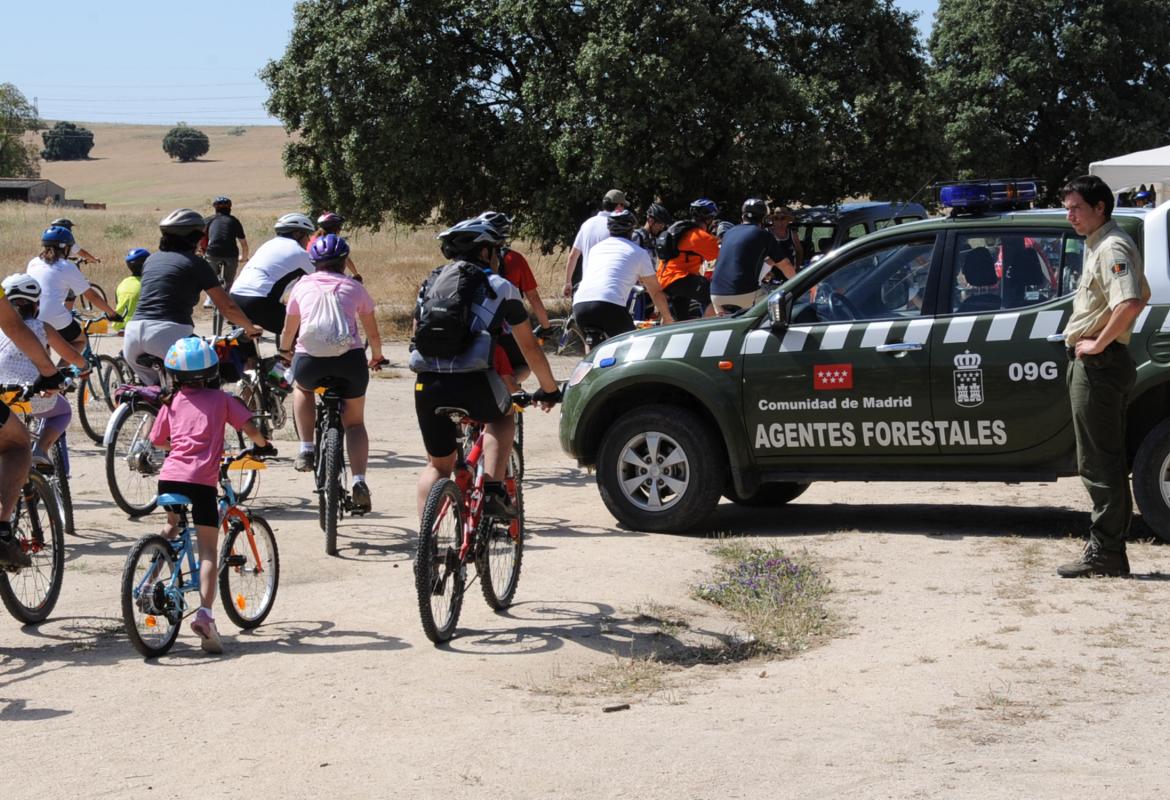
(1135, 169)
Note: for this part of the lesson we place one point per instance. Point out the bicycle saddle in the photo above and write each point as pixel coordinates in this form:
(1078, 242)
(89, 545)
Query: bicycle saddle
(149, 361)
(172, 499)
(451, 411)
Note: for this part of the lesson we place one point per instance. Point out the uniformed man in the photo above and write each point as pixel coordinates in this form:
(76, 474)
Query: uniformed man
(1112, 292)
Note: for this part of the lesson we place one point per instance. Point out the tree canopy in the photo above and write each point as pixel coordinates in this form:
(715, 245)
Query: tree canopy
(1043, 87)
(538, 107)
(67, 142)
(18, 157)
(185, 143)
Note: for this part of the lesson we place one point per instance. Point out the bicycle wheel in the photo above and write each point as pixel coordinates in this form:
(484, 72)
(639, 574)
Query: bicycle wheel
(550, 338)
(518, 448)
(501, 548)
(87, 306)
(150, 611)
(94, 401)
(132, 462)
(572, 342)
(60, 461)
(244, 480)
(332, 456)
(438, 573)
(249, 571)
(30, 593)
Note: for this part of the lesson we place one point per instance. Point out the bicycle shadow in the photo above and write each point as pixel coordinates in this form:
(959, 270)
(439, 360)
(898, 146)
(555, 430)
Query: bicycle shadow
(377, 542)
(556, 476)
(542, 526)
(289, 637)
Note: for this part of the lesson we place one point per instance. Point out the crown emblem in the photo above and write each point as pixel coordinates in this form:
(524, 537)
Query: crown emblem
(968, 360)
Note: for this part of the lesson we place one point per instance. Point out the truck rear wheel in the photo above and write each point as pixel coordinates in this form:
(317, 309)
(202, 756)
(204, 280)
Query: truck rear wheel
(1151, 480)
(661, 469)
(769, 495)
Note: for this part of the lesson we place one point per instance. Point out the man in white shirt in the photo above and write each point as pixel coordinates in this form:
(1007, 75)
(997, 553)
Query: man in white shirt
(262, 284)
(616, 263)
(592, 231)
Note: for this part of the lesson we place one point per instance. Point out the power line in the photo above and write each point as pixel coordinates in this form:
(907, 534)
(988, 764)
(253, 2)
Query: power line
(184, 99)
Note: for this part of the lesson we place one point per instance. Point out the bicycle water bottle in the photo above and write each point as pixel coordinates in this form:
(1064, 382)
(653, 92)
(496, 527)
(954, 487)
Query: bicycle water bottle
(281, 378)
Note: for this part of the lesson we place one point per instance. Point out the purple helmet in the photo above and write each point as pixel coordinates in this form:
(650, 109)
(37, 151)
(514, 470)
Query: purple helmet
(329, 247)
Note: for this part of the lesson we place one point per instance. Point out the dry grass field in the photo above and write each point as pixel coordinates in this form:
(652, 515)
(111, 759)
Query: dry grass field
(129, 172)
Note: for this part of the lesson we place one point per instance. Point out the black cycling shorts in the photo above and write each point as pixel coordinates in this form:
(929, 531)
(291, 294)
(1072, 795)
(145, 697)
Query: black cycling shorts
(682, 292)
(507, 343)
(70, 332)
(267, 313)
(4, 414)
(347, 373)
(601, 316)
(481, 394)
(204, 503)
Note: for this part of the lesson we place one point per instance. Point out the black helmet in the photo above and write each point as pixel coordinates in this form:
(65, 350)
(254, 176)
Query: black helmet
(182, 222)
(498, 220)
(464, 239)
(62, 222)
(621, 223)
(659, 213)
(329, 222)
(754, 210)
(221, 202)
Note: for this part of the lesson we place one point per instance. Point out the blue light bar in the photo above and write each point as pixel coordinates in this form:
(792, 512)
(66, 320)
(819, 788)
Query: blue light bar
(987, 195)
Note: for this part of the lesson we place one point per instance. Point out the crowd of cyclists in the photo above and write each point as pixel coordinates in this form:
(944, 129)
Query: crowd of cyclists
(473, 344)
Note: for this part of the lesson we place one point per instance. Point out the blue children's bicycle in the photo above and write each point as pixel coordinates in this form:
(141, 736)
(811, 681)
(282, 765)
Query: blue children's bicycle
(161, 572)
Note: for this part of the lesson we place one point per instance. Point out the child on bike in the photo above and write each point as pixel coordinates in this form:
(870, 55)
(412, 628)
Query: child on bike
(128, 291)
(191, 426)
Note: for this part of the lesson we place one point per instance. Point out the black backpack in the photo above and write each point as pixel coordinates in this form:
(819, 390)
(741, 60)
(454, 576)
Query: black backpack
(443, 315)
(667, 244)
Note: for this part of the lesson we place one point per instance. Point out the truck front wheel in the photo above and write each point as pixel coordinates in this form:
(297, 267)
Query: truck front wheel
(661, 468)
(1151, 480)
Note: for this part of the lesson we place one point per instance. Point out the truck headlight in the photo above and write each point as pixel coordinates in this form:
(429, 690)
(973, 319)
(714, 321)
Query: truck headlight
(579, 372)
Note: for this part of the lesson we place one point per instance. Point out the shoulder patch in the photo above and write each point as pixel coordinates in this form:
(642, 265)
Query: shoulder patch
(1120, 268)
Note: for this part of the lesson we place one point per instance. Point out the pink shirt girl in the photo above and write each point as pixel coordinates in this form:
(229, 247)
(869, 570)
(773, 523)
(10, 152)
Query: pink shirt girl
(194, 423)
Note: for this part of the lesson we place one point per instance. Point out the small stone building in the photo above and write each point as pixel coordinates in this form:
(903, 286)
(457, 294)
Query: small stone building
(31, 190)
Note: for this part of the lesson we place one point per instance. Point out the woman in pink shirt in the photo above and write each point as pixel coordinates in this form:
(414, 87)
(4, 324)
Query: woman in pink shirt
(323, 312)
(191, 426)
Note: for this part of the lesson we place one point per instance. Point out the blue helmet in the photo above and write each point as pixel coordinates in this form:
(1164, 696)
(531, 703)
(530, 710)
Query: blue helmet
(137, 254)
(329, 247)
(192, 359)
(56, 236)
(704, 208)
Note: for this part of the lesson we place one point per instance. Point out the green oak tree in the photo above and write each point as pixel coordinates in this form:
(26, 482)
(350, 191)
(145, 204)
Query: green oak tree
(440, 108)
(185, 143)
(1041, 88)
(67, 142)
(18, 157)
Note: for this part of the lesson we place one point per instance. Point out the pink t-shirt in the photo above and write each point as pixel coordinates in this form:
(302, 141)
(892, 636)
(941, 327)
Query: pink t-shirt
(194, 423)
(351, 296)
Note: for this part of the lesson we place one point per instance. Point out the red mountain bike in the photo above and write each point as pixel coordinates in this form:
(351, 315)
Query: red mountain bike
(455, 532)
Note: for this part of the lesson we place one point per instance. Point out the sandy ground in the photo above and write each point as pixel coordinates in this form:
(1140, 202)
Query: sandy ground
(961, 666)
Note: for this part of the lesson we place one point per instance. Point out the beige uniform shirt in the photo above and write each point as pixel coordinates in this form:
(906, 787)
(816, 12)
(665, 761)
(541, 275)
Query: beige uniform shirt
(1112, 274)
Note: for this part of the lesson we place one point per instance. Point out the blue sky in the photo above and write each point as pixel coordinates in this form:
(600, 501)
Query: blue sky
(162, 62)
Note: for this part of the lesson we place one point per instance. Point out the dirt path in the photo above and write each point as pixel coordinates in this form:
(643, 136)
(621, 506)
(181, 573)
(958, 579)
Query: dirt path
(962, 666)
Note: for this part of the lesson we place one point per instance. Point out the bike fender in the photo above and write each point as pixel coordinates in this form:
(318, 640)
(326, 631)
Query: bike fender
(119, 414)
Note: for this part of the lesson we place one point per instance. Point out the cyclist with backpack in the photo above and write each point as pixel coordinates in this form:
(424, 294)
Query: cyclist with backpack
(191, 426)
(461, 311)
(744, 248)
(324, 309)
(683, 247)
(58, 276)
(592, 231)
(615, 265)
(224, 245)
(260, 288)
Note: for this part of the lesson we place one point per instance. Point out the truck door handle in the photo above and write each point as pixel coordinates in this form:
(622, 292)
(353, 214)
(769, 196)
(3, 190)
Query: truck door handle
(899, 347)
(1056, 337)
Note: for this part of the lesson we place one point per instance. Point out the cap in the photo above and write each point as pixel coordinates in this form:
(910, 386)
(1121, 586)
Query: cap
(616, 196)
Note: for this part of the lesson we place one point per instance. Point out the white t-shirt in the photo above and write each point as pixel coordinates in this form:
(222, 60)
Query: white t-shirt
(615, 265)
(272, 268)
(57, 280)
(16, 367)
(592, 231)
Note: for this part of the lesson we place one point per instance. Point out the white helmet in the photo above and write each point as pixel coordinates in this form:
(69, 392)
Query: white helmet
(291, 223)
(22, 286)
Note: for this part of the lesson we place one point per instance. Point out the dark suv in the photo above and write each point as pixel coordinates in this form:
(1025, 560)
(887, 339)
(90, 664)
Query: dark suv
(825, 228)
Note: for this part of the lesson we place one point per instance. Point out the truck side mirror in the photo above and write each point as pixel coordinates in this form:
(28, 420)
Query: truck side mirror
(780, 310)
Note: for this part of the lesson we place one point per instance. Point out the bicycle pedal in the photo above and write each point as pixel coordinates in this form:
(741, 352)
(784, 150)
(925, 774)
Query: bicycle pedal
(235, 560)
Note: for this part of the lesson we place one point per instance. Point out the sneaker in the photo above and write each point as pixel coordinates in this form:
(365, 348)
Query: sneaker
(304, 461)
(498, 506)
(360, 498)
(204, 627)
(1095, 561)
(12, 555)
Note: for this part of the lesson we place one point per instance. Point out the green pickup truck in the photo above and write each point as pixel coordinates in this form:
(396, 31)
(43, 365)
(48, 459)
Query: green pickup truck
(930, 350)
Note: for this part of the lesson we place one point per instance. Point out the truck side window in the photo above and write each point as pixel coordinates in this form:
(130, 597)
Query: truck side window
(1006, 271)
(887, 283)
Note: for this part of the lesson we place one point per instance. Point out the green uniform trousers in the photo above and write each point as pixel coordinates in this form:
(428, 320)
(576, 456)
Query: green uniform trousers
(1098, 388)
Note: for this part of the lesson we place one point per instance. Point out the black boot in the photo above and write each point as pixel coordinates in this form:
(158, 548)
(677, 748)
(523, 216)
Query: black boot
(1095, 561)
(496, 503)
(11, 553)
